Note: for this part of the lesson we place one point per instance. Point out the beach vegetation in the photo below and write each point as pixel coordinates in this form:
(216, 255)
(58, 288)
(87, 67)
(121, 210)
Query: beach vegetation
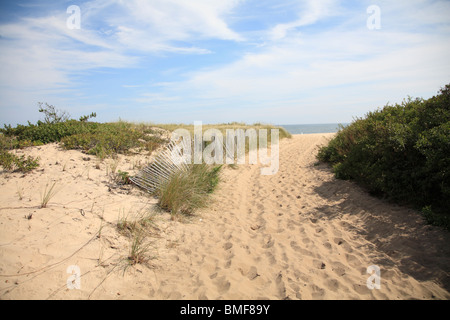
(223, 127)
(139, 249)
(19, 192)
(400, 152)
(14, 163)
(108, 139)
(188, 190)
(143, 222)
(138, 230)
(49, 192)
(51, 114)
(123, 177)
(99, 139)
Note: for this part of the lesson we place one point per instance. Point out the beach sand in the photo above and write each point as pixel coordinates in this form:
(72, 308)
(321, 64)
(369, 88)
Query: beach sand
(299, 234)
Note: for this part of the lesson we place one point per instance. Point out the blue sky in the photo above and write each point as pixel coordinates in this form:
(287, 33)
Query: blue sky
(180, 61)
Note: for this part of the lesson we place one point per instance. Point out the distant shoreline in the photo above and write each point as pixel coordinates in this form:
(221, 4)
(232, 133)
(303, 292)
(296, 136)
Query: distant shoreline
(318, 133)
(312, 128)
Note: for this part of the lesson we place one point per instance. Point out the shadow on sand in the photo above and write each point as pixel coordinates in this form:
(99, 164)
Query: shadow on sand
(417, 249)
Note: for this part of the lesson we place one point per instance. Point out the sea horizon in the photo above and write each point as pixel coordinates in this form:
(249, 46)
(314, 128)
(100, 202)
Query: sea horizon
(312, 128)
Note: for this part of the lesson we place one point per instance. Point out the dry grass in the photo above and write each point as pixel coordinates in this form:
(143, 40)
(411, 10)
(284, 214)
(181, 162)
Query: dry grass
(223, 127)
(139, 249)
(186, 191)
(138, 230)
(48, 194)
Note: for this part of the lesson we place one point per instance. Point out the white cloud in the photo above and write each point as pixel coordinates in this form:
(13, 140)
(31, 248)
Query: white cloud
(182, 20)
(310, 12)
(170, 25)
(33, 47)
(40, 54)
(141, 40)
(335, 72)
(293, 74)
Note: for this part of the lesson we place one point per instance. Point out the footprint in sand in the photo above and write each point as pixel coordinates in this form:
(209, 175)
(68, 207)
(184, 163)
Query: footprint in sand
(222, 284)
(332, 285)
(271, 258)
(281, 288)
(343, 244)
(338, 268)
(317, 292)
(361, 289)
(268, 242)
(319, 264)
(353, 261)
(300, 250)
(252, 274)
(319, 230)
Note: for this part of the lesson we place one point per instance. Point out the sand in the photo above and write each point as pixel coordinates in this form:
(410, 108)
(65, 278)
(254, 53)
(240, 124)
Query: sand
(299, 234)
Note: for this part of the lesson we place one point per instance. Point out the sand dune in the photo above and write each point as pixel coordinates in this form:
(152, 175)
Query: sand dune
(300, 234)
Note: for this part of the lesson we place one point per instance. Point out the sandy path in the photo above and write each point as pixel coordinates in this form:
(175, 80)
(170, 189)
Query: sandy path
(300, 234)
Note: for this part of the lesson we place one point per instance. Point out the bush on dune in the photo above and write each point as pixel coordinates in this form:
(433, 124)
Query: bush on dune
(12, 163)
(400, 151)
(100, 139)
(111, 138)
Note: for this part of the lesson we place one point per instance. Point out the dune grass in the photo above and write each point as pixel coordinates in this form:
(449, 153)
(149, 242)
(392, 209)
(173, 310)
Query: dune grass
(187, 191)
(48, 193)
(138, 230)
(139, 249)
(183, 193)
(222, 127)
(142, 222)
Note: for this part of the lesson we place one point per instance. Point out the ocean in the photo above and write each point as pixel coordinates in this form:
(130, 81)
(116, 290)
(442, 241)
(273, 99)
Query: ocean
(312, 128)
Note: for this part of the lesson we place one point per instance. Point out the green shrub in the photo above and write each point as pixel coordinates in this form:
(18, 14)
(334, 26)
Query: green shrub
(100, 139)
(12, 163)
(123, 177)
(48, 132)
(111, 138)
(400, 151)
(434, 219)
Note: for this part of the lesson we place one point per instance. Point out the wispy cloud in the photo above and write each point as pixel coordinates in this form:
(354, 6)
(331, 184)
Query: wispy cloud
(336, 72)
(224, 60)
(39, 53)
(181, 20)
(310, 12)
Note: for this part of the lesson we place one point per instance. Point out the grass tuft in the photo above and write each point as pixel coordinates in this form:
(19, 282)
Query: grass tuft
(48, 194)
(139, 249)
(187, 191)
(138, 231)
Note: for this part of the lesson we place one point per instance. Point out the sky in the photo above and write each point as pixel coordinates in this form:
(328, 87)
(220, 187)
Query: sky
(218, 61)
